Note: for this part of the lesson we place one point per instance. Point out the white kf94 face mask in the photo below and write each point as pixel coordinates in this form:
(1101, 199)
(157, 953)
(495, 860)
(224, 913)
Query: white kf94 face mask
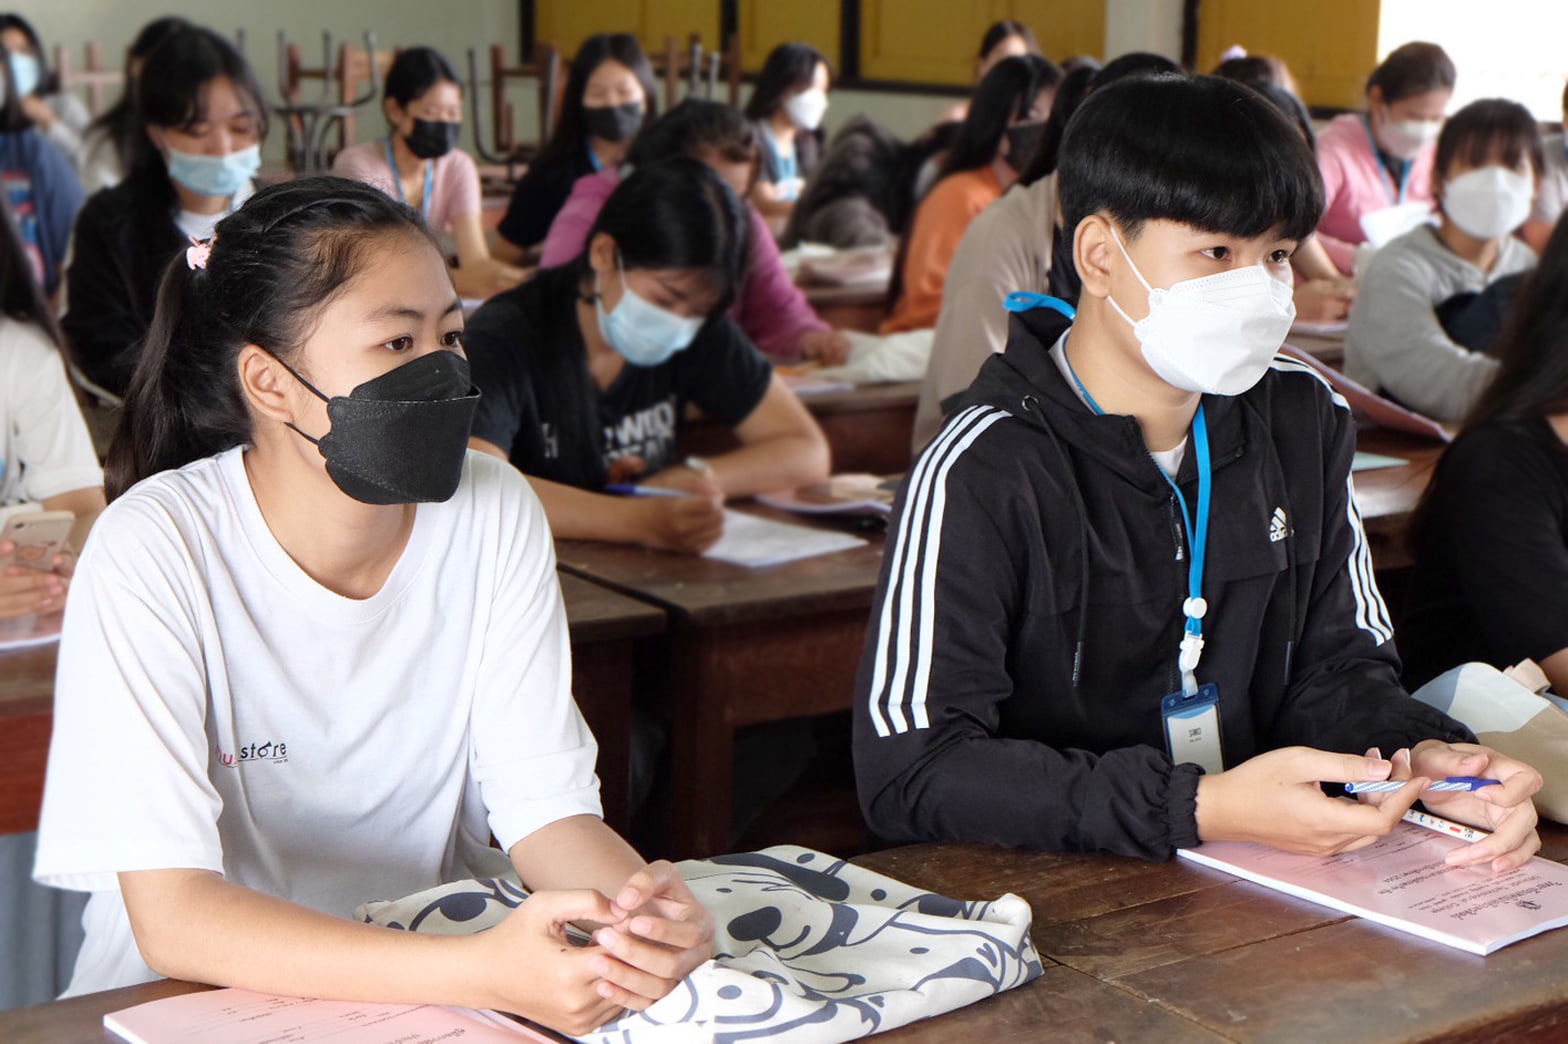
(1489, 202)
(1215, 335)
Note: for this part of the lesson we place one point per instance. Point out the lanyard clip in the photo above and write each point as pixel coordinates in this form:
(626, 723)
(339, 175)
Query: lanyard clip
(1191, 653)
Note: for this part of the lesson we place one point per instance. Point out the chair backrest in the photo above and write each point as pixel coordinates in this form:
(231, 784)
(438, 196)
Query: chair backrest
(355, 83)
(545, 71)
(97, 80)
(701, 70)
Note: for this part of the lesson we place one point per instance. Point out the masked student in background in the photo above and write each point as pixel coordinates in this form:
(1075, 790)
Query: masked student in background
(419, 163)
(609, 98)
(316, 654)
(1127, 603)
(588, 370)
(58, 115)
(1377, 165)
(1432, 299)
(203, 123)
(786, 108)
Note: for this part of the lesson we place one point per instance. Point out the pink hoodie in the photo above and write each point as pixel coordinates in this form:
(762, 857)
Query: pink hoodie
(1355, 182)
(770, 308)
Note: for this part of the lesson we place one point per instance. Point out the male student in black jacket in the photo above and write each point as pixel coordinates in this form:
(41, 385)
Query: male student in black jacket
(1127, 603)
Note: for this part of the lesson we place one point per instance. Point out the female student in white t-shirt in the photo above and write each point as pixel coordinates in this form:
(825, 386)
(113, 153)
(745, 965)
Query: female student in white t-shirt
(315, 654)
(46, 454)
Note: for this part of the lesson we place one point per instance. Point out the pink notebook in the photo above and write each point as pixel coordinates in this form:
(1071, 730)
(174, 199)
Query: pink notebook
(243, 1017)
(1402, 882)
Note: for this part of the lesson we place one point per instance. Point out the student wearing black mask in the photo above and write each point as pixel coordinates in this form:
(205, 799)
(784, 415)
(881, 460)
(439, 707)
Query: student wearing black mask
(419, 163)
(609, 97)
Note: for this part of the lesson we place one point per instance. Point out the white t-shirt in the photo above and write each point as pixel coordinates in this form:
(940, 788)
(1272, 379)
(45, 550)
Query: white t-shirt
(200, 226)
(45, 449)
(218, 709)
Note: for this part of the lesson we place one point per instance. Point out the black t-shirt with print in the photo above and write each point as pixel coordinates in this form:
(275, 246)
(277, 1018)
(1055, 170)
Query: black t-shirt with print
(528, 360)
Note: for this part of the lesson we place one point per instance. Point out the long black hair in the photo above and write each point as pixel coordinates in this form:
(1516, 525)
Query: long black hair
(121, 124)
(673, 213)
(414, 72)
(274, 264)
(48, 78)
(790, 67)
(566, 144)
(999, 31)
(172, 92)
(1005, 95)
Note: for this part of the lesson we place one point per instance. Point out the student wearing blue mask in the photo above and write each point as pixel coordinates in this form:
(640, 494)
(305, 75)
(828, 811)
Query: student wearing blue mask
(1127, 603)
(205, 119)
(58, 115)
(40, 184)
(588, 369)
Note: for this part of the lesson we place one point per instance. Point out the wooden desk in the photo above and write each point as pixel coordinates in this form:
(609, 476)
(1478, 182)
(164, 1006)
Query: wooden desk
(860, 307)
(746, 646)
(868, 428)
(606, 631)
(1155, 952)
(1387, 496)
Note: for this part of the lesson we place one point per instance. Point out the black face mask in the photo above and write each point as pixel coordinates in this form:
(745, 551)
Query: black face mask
(433, 139)
(615, 123)
(1022, 140)
(400, 438)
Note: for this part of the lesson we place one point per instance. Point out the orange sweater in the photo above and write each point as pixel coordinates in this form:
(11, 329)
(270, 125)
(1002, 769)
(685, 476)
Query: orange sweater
(939, 225)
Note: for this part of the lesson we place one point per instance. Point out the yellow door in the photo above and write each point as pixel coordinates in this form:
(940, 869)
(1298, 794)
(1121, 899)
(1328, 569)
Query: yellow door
(1330, 45)
(936, 41)
(764, 24)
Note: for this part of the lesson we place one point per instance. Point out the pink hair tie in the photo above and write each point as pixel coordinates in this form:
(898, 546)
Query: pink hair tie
(197, 253)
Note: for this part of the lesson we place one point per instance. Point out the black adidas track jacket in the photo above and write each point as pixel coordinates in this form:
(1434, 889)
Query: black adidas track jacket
(1032, 535)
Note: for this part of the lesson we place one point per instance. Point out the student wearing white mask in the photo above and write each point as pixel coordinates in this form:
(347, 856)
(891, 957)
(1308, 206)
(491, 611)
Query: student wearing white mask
(788, 105)
(588, 369)
(205, 120)
(1488, 160)
(1377, 165)
(1127, 604)
(59, 115)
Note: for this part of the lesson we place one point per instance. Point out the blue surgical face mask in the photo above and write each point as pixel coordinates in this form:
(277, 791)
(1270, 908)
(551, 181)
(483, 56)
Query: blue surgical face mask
(24, 72)
(214, 175)
(645, 334)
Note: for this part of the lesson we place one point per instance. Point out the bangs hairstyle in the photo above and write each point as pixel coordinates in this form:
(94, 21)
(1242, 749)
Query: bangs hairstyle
(677, 213)
(571, 130)
(1005, 96)
(790, 67)
(1075, 87)
(415, 71)
(1489, 131)
(1200, 151)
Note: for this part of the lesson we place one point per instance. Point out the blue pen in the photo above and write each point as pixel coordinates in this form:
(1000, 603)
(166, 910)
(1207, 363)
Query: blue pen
(625, 490)
(1451, 784)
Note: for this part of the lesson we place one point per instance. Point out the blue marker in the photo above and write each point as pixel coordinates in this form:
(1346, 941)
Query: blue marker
(1451, 784)
(625, 490)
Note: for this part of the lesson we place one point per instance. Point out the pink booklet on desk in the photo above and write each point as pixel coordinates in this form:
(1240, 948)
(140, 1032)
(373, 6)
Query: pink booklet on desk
(1369, 405)
(1401, 881)
(243, 1017)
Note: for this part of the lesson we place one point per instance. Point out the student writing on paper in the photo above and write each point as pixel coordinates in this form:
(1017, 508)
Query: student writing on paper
(1488, 160)
(1127, 603)
(609, 97)
(1377, 165)
(1551, 197)
(419, 163)
(46, 454)
(316, 654)
(769, 307)
(588, 369)
(1491, 536)
(994, 143)
(203, 121)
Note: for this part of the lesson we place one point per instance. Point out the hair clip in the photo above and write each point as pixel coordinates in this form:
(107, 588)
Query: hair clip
(197, 253)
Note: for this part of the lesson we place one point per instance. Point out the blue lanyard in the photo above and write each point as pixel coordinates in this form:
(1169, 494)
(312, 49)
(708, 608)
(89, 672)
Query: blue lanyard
(397, 180)
(593, 158)
(1194, 608)
(788, 166)
(1382, 171)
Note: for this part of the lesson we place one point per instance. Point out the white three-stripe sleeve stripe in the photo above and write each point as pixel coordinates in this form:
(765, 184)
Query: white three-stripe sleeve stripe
(1371, 613)
(909, 601)
(1285, 364)
(914, 509)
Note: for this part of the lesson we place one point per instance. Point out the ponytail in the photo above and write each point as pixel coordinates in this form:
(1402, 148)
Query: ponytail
(272, 266)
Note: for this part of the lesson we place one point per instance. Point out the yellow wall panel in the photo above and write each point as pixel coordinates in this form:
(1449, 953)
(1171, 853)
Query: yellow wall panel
(935, 41)
(1062, 27)
(764, 24)
(1330, 45)
(566, 23)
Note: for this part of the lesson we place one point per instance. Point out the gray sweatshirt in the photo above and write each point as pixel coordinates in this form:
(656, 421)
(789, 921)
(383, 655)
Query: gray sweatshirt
(1395, 342)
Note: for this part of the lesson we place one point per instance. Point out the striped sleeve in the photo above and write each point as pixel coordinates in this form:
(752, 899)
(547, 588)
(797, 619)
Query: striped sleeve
(901, 665)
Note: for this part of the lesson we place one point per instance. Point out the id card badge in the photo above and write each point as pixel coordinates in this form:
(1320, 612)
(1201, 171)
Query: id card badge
(1192, 728)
